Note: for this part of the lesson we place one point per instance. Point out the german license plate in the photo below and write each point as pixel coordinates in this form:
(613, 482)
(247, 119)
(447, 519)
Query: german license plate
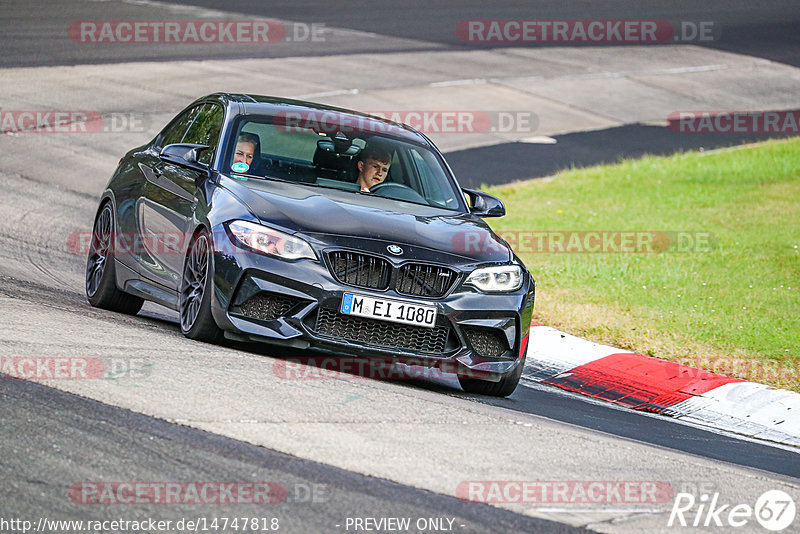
(396, 311)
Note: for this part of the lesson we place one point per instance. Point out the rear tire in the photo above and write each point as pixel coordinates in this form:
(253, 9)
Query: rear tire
(503, 388)
(196, 287)
(101, 284)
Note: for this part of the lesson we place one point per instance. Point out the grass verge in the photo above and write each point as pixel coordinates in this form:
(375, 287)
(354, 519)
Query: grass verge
(706, 269)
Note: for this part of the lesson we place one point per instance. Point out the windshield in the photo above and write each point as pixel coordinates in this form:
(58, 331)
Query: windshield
(358, 161)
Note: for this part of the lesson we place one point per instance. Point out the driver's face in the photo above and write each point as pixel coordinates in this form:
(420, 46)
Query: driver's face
(244, 152)
(372, 172)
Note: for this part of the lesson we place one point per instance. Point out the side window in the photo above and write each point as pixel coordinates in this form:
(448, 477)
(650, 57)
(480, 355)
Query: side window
(175, 132)
(205, 131)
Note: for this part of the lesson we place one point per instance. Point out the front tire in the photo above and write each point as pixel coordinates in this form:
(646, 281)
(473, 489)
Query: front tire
(101, 284)
(196, 287)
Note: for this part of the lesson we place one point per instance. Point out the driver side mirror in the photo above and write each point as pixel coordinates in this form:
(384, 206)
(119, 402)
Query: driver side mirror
(185, 155)
(483, 204)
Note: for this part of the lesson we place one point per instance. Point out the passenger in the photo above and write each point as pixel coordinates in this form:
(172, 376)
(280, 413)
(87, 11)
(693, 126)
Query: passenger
(373, 167)
(246, 147)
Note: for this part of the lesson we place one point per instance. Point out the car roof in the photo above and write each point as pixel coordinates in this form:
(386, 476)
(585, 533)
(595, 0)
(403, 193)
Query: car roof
(248, 104)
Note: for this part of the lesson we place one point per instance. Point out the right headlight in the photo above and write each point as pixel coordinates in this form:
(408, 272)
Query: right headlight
(498, 279)
(269, 241)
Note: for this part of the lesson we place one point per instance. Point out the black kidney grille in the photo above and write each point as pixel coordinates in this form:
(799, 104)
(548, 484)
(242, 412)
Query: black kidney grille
(360, 270)
(421, 280)
(267, 306)
(334, 325)
(374, 272)
(486, 342)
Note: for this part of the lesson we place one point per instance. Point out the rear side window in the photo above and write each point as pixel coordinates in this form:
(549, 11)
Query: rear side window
(205, 131)
(175, 131)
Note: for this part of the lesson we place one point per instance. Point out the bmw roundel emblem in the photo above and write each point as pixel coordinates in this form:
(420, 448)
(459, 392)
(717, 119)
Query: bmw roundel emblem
(394, 249)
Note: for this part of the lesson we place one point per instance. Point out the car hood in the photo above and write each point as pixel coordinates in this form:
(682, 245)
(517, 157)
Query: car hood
(347, 219)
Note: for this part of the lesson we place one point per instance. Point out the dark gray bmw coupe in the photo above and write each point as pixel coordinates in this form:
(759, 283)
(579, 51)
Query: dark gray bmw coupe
(298, 224)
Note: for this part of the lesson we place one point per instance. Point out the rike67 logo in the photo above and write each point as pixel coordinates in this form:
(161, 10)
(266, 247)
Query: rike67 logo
(774, 510)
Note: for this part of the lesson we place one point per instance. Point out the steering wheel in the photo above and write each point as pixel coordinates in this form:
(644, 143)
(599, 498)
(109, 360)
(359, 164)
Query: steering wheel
(397, 192)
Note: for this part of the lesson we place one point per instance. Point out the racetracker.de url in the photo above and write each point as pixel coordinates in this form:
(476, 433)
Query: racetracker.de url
(100, 526)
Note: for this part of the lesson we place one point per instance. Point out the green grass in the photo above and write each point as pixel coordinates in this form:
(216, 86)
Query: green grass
(734, 309)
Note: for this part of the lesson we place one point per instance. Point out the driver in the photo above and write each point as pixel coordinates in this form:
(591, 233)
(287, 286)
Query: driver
(373, 167)
(245, 151)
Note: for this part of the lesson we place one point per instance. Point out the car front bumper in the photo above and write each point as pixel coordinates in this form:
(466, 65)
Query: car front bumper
(296, 304)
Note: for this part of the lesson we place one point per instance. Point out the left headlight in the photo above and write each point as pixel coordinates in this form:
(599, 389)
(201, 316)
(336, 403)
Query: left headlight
(270, 241)
(498, 279)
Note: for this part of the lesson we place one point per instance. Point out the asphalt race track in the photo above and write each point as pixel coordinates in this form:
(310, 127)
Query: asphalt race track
(346, 448)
